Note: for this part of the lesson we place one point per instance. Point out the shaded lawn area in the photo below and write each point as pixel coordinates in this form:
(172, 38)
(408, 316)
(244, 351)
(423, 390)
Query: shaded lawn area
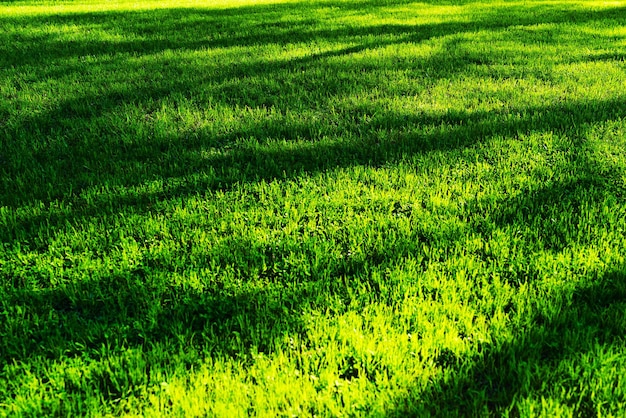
(312, 208)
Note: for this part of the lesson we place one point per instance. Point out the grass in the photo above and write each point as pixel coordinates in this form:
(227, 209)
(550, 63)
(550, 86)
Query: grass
(312, 208)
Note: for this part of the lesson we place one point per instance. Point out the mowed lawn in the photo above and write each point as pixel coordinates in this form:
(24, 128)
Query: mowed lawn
(312, 208)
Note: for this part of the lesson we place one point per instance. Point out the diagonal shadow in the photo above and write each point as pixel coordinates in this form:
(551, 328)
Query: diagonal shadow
(24, 42)
(585, 317)
(72, 127)
(254, 162)
(139, 307)
(127, 308)
(497, 379)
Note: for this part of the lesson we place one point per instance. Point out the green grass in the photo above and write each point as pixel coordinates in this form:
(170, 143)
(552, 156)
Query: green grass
(313, 208)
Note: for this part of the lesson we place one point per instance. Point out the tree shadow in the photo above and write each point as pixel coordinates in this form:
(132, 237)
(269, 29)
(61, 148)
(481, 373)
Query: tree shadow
(28, 42)
(551, 352)
(606, 57)
(254, 162)
(497, 379)
(140, 307)
(137, 306)
(171, 320)
(82, 134)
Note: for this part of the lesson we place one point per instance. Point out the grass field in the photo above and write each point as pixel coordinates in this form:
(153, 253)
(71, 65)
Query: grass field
(312, 208)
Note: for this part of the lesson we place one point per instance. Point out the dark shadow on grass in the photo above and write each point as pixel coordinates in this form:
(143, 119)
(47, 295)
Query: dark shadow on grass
(152, 31)
(74, 141)
(138, 307)
(607, 57)
(101, 317)
(259, 160)
(502, 374)
(558, 340)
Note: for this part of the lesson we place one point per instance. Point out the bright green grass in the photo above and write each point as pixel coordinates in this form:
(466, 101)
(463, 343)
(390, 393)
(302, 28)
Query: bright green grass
(313, 208)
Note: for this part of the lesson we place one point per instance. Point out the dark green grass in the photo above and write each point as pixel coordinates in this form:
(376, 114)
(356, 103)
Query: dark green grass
(313, 208)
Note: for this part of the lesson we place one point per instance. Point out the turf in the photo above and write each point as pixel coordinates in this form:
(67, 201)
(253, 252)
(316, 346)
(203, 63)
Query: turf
(312, 208)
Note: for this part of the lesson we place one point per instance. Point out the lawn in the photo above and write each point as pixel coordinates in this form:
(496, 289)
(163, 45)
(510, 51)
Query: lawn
(312, 208)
